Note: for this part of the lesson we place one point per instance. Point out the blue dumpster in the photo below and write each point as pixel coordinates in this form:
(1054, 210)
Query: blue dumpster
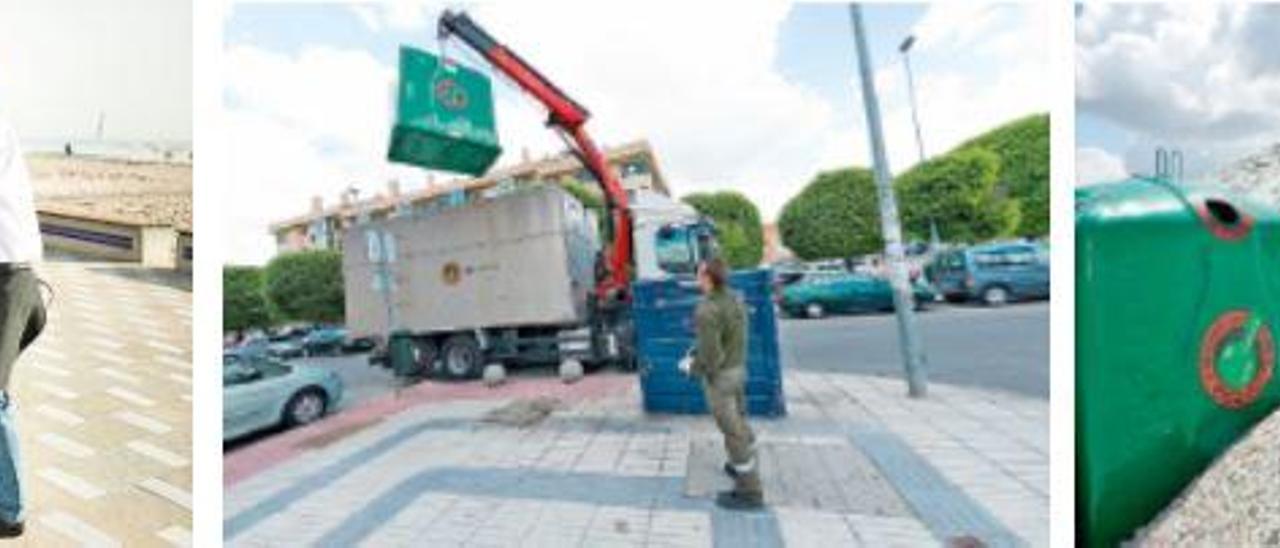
(663, 313)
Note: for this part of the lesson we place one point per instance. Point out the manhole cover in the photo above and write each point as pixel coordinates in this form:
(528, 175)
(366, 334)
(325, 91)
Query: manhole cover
(522, 413)
(828, 476)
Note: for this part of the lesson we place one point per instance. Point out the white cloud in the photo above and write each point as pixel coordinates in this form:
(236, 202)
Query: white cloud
(1203, 76)
(1094, 165)
(63, 62)
(701, 88)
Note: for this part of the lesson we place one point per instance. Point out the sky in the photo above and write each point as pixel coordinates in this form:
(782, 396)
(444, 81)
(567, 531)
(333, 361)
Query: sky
(63, 63)
(1203, 79)
(754, 96)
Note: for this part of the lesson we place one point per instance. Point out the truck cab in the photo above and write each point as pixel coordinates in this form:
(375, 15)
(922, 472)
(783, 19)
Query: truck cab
(669, 237)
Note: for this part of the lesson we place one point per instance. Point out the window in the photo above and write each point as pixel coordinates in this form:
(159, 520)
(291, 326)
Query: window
(673, 251)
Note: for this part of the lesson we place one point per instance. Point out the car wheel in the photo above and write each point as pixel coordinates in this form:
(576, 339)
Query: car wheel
(995, 296)
(461, 355)
(305, 407)
(814, 311)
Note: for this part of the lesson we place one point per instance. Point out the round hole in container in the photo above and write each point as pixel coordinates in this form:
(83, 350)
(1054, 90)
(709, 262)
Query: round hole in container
(1222, 211)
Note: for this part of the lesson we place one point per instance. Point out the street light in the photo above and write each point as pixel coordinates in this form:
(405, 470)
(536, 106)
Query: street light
(903, 48)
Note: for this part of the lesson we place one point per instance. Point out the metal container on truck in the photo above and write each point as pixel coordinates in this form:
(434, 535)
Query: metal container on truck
(1176, 317)
(519, 263)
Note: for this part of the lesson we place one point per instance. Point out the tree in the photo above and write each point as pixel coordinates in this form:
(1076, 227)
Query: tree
(306, 286)
(837, 215)
(959, 191)
(244, 306)
(738, 227)
(1023, 149)
(590, 198)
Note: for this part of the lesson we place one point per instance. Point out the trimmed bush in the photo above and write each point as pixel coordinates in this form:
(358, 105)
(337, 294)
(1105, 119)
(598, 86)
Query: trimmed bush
(837, 215)
(306, 286)
(738, 228)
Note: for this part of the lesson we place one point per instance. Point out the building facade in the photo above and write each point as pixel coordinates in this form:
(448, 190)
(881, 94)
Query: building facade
(323, 226)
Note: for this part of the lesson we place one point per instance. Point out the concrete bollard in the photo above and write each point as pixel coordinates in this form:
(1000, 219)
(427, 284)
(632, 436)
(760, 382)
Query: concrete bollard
(570, 371)
(494, 375)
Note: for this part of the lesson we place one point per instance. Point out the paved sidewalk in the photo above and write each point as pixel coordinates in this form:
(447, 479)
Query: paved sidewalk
(104, 409)
(854, 463)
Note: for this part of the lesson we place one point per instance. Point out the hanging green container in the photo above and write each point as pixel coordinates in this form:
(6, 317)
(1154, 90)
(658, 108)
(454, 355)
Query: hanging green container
(1176, 320)
(444, 116)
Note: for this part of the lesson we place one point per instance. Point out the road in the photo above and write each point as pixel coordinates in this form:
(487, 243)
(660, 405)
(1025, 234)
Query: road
(1004, 348)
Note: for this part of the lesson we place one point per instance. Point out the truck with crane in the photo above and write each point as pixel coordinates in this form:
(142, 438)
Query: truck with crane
(518, 278)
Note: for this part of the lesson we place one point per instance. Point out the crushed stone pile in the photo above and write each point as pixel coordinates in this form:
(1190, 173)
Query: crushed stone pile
(1256, 176)
(524, 412)
(1236, 502)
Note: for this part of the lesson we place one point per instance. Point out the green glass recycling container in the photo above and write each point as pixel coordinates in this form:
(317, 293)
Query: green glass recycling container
(1176, 318)
(444, 116)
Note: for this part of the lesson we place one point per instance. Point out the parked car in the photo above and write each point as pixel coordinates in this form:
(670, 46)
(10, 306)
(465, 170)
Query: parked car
(358, 344)
(324, 341)
(250, 349)
(264, 393)
(817, 294)
(284, 347)
(993, 274)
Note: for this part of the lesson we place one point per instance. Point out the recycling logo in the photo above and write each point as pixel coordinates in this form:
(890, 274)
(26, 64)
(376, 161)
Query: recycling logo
(450, 94)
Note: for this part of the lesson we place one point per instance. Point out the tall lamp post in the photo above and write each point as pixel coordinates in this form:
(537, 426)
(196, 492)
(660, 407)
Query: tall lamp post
(904, 48)
(913, 359)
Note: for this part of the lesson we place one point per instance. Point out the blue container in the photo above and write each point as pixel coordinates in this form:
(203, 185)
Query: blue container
(663, 312)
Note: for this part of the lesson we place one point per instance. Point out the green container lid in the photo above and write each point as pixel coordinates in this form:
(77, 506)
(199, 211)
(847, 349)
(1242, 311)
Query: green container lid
(444, 116)
(1176, 316)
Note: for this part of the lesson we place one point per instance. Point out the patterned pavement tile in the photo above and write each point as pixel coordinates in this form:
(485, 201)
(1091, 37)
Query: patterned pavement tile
(105, 431)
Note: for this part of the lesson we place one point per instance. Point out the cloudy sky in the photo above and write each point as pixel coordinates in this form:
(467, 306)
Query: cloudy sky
(64, 62)
(753, 96)
(1201, 78)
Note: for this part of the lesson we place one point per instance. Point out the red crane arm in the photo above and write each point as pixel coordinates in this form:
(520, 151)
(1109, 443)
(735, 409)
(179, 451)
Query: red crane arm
(568, 116)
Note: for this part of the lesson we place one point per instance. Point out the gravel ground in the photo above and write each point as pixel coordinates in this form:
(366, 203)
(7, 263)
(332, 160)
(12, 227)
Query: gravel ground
(143, 192)
(1234, 503)
(1257, 175)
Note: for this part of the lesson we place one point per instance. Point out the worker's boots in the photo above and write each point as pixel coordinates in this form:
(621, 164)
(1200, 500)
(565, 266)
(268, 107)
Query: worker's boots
(740, 500)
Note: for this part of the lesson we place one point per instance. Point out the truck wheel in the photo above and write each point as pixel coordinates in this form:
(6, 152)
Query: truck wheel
(462, 357)
(425, 354)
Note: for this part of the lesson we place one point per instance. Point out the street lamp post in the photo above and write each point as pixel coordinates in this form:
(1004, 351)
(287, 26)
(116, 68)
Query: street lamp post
(904, 48)
(903, 298)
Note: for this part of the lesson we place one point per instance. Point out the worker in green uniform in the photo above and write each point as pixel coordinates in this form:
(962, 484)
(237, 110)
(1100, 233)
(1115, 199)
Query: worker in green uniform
(719, 360)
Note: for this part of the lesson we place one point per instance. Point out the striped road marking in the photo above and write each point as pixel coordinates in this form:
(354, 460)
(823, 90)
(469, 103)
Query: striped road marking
(131, 396)
(177, 536)
(165, 347)
(157, 453)
(166, 490)
(49, 369)
(56, 390)
(82, 533)
(180, 379)
(119, 375)
(66, 445)
(71, 484)
(59, 414)
(142, 421)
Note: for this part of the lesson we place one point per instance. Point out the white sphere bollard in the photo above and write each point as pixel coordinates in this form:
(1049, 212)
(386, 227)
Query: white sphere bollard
(571, 371)
(494, 374)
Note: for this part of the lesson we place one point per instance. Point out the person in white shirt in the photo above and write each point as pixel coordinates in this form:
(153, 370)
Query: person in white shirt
(22, 313)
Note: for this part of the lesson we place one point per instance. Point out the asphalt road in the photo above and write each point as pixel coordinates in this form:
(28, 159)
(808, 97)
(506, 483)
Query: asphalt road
(1004, 348)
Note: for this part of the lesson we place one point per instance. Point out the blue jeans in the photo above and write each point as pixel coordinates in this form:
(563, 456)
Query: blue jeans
(10, 483)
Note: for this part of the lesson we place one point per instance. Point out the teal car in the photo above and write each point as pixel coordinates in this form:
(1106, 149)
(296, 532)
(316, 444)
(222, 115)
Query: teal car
(258, 394)
(817, 293)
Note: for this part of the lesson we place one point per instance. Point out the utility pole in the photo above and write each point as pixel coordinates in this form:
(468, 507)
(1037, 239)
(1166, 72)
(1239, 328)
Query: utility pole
(913, 358)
